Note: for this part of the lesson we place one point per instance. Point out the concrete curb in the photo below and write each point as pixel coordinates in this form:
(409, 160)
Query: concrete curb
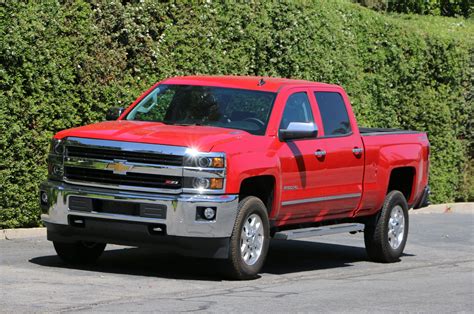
(21, 233)
(458, 208)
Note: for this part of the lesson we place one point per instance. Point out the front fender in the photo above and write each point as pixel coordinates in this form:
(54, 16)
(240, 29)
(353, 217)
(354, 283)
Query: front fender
(250, 157)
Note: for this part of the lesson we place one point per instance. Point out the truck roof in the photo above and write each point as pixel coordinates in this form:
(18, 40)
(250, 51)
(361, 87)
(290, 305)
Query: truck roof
(243, 82)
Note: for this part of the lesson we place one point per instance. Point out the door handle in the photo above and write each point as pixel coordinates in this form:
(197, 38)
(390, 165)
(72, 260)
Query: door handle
(357, 151)
(320, 153)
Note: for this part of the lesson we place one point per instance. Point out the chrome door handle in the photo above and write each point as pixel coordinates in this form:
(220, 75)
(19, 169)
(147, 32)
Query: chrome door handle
(357, 150)
(320, 153)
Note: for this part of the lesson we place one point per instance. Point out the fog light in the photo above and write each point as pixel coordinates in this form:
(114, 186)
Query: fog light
(44, 198)
(209, 213)
(201, 183)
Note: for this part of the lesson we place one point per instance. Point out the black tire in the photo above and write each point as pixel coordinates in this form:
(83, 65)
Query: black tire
(79, 252)
(378, 244)
(237, 268)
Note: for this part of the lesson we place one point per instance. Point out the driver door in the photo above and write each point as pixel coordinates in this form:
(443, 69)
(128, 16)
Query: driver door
(297, 159)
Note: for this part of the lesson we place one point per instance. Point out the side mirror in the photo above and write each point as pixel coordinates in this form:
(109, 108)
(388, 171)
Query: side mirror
(114, 113)
(299, 130)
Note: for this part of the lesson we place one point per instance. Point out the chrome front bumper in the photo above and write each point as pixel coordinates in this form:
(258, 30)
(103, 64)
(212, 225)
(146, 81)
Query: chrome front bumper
(180, 209)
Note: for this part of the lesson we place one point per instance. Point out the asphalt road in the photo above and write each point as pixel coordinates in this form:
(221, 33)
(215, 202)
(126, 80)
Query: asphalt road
(323, 274)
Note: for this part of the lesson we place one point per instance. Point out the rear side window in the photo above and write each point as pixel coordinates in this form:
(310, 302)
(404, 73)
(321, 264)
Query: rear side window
(333, 113)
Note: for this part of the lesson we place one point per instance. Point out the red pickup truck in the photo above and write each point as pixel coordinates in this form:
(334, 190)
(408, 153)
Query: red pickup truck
(217, 166)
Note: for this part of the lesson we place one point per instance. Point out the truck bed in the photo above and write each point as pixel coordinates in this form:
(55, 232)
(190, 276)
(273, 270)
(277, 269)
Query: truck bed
(392, 148)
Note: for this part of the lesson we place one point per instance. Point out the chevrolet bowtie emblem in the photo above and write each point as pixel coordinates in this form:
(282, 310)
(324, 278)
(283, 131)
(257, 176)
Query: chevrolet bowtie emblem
(119, 167)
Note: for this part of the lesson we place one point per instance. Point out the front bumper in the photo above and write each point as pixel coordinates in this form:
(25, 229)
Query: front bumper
(137, 234)
(180, 221)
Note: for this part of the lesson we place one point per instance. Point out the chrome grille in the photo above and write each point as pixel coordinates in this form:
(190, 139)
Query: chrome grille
(124, 165)
(130, 179)
(108, 154)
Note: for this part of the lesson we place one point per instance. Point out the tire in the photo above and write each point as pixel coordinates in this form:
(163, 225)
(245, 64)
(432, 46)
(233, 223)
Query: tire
(249, 240)
(79, 252)
(385, 239)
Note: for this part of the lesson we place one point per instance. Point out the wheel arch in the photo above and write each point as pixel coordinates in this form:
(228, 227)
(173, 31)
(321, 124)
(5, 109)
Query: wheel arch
(402, 179)
(262, 187)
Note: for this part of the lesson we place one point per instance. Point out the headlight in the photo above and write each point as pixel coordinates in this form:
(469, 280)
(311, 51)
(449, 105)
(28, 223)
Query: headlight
(212, 162)
(201, 183)
(57, 147)
(204, 172)
(55, 168)
(55, 160)
(204, 162)
(208, 183)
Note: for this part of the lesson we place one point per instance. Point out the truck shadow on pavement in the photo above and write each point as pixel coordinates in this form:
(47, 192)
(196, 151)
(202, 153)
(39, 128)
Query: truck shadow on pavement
(284, 257)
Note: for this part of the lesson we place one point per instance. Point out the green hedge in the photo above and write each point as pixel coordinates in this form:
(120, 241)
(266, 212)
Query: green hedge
(64, 63)
(432, 7)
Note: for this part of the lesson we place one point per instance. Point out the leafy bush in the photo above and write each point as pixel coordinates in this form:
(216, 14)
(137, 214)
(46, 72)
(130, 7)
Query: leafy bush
(431, 7)
(64, 63)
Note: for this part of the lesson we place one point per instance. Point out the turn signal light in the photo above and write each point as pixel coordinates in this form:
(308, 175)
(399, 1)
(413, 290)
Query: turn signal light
(217, 162)
(216, 183)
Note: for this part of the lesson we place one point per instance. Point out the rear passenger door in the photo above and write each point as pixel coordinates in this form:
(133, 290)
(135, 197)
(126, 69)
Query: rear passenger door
(340, 163)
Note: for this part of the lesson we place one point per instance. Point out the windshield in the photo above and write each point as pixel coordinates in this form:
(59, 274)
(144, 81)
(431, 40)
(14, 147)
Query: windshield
(205, 105)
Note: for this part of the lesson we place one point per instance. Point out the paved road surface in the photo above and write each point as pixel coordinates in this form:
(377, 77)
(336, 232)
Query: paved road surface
(328, 273)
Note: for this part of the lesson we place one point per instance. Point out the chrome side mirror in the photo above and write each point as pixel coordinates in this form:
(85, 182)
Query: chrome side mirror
(114, 113)
(299, 130)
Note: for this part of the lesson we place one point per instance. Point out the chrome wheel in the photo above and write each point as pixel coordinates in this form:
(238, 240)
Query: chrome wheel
(396, 227)
(251, 239)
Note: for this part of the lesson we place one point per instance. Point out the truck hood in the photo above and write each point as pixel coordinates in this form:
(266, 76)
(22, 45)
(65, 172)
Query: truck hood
(202, 138)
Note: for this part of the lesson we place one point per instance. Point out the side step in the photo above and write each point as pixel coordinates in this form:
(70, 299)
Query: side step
(318, 231)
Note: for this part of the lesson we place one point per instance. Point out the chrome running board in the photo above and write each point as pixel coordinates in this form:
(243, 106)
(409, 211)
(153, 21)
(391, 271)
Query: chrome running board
(318, 231)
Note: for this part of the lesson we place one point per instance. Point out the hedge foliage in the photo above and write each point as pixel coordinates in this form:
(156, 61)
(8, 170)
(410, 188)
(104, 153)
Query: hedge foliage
(432, 7)
(63, 63)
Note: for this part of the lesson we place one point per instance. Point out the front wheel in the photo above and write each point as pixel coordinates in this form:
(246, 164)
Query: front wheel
(250, 239)
(386, 238)
(81, 252)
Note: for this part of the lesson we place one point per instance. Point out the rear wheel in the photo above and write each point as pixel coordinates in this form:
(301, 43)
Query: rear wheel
(250, 239)
(81, 252)
(385, 238)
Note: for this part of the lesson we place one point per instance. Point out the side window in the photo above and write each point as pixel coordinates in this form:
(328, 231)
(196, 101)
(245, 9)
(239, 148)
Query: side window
(333, 113)
(297, 109)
